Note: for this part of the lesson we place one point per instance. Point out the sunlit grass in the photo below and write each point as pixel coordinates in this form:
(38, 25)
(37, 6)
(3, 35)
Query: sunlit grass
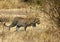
(46, 31)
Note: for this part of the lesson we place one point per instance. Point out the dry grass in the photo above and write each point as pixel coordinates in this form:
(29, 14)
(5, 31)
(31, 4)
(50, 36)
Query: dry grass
(47, 31)
(12, 4)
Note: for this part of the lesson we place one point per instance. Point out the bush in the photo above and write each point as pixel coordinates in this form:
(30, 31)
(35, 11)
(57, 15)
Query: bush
(38, 2)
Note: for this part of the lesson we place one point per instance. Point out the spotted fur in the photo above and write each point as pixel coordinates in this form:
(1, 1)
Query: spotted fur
(23, 22)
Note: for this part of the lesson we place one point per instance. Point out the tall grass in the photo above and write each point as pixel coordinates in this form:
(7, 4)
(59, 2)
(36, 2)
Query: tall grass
(47, 31)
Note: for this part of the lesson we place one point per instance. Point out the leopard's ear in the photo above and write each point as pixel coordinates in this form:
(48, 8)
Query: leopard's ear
(4, 23)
